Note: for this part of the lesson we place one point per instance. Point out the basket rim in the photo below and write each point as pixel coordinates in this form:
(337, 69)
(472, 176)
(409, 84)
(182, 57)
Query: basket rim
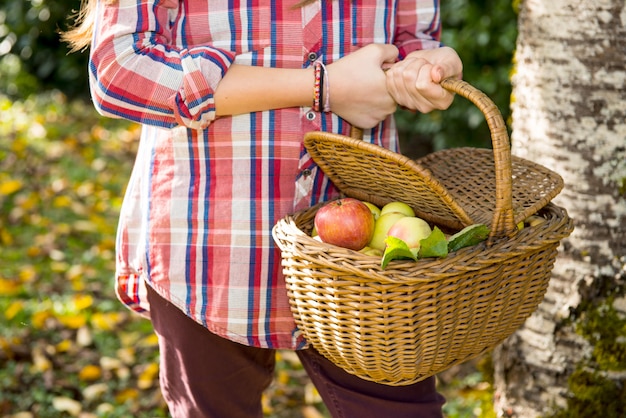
(559, 223)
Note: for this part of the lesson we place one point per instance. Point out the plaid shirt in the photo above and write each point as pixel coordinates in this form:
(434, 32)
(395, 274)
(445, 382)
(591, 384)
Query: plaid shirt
(205, 192)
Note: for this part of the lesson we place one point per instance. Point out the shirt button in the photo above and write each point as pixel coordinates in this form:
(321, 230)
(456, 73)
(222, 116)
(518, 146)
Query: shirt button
(306, 172)
(310, 115)
(312, 56)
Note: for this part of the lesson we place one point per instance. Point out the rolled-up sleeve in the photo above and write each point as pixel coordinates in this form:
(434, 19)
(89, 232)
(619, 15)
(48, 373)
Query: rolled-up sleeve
(136, 73)
(418, 26)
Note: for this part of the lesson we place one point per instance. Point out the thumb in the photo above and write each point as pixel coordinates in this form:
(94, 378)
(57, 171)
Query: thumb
(389, 54)
(437, 74)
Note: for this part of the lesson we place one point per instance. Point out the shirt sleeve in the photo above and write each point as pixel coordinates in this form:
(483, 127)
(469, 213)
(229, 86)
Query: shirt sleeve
(418, 26)
(137, 73)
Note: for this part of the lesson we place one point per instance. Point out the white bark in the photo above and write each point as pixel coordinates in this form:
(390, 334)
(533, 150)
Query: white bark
(569, 114)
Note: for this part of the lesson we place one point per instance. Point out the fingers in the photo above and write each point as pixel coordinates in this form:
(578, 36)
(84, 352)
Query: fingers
(415, 82)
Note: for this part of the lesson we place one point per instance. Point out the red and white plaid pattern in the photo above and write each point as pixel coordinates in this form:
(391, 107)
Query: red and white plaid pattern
(205, 193)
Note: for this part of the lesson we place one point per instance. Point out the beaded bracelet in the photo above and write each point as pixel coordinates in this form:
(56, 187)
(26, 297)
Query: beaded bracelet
(321, 88)
(317, 86)
(325, 88)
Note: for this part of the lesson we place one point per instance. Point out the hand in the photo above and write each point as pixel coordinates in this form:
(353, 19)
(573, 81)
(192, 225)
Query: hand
(358, 86)
(414, 81)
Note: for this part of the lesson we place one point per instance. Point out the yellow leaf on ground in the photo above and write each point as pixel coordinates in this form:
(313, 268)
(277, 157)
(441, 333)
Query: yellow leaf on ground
(28, 274)
(39, 319)
(59, 266)
(5, 237)
(125, 395)
(106, 321)
(61, 201)
(150, 341)
(33, 251)
(13, 309)
(10, 186)
(82, 302)
(9, 287)
(147, 377)
(63, 346)
(73, 321)
(267, 405)
(90, 373)
(282, 377)
(7, 344)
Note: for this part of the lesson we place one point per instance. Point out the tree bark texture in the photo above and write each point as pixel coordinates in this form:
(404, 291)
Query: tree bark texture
(569, 114)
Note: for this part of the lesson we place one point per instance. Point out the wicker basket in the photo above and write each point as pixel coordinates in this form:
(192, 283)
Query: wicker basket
(414, 319)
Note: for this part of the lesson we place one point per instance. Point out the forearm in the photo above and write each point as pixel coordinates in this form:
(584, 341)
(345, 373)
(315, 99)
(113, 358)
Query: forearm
(246, 89)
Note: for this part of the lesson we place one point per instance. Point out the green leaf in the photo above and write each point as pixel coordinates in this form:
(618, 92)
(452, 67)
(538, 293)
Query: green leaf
(435, 245)
(396, 250)
(468, 236)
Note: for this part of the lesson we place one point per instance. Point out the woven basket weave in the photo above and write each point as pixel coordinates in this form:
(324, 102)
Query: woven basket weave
(400, 325)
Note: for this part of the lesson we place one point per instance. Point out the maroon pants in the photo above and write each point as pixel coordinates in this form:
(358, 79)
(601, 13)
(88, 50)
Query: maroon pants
(203, 375)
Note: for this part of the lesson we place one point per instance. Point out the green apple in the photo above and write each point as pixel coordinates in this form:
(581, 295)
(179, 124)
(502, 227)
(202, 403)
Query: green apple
(397, 207)
(373, 208)
(411, 230)
(371, 251)
(382, 225)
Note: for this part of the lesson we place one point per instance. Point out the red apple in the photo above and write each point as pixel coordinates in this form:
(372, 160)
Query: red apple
(346, 222)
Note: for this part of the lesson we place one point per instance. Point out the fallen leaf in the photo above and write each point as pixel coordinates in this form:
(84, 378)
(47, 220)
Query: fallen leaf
(10, 186)
(90, 373)
(126, 395)
(65, 404)
(14, 309)
(94, 391)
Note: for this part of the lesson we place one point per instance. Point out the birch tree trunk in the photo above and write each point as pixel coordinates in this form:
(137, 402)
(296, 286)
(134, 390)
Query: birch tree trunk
(569, 114)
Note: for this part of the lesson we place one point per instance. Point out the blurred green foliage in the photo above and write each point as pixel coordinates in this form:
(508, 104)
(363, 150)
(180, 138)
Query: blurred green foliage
(66, 346)
(32, 59)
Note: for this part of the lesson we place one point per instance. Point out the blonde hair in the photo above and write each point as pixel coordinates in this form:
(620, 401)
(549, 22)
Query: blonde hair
(79, 36)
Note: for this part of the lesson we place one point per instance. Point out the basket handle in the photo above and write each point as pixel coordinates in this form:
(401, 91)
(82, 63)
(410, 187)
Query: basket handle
(503, 222)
